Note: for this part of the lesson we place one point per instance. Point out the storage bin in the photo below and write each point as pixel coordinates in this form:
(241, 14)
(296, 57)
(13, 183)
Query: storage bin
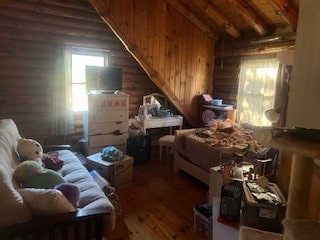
(203, 224)
(263, 216)
(139, 147)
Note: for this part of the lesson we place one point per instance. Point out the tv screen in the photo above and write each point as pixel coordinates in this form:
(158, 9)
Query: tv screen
(103, 78)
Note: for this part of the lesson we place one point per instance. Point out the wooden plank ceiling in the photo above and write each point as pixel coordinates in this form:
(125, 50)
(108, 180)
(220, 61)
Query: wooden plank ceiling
(174, 40)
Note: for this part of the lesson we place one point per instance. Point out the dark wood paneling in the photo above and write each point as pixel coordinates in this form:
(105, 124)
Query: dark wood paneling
(29, 34)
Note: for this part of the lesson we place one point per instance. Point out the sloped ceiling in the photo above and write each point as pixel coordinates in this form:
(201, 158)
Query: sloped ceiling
(175, 40)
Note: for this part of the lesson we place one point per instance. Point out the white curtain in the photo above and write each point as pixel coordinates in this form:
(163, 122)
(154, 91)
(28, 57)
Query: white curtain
(256, 93)
(62, 119)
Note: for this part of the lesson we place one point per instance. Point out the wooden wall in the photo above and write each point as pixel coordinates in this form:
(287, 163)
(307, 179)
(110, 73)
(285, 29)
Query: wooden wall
(176, 55)
(30, 31)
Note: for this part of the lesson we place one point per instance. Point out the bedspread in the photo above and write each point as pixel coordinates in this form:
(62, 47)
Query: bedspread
(206, 149)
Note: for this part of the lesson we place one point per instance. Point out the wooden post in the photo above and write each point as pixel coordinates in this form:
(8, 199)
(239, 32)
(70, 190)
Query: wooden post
(299, 188)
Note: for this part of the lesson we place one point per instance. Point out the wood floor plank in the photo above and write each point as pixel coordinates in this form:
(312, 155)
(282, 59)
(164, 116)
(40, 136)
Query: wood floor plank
(158, 204)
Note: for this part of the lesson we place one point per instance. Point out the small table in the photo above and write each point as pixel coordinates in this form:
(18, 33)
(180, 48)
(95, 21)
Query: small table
(161, 122)
(117, 173)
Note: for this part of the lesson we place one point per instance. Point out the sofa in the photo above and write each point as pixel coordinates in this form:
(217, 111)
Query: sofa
(36, 216)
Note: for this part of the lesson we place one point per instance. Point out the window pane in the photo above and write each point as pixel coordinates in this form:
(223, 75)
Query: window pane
(256, 91)
(79, 97)
(79, 63)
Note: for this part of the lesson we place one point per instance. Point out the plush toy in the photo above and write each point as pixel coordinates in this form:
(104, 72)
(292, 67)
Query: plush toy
(70, 191)
(31, 174)
(52, 161)
(29, 149)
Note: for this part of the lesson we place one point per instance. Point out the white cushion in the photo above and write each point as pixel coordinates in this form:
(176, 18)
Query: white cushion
(12, 208)
(44, 202)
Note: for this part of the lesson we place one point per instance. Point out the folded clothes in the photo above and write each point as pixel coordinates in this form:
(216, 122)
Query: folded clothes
(111, 154)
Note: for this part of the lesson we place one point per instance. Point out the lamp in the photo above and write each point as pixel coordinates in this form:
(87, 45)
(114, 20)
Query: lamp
(273, 114)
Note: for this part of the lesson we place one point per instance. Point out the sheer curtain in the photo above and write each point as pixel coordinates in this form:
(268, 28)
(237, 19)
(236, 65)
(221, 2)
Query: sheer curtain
(62, 119)
(256, 93)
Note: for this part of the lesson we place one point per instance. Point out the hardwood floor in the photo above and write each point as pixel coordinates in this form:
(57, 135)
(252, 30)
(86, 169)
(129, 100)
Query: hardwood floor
(159, 203)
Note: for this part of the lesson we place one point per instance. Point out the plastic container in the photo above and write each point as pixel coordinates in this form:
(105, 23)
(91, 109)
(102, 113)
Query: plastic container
(263, 216)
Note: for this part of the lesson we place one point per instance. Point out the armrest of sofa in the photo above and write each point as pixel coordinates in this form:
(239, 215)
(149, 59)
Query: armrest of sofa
(87, 223)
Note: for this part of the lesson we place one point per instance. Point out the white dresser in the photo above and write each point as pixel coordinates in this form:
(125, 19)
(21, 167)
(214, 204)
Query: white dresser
(106, 122)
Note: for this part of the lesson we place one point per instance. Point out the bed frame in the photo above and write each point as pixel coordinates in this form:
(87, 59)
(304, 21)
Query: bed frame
(181, 163)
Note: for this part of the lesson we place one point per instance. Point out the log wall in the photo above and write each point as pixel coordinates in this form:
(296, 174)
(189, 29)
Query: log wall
(176, 54)
(30, 31)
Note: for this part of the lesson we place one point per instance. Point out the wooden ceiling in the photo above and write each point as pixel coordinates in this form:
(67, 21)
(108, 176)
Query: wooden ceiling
(240, 18)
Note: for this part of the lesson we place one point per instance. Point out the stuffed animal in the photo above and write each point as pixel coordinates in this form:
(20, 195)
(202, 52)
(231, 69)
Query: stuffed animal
(31, 174)
(29, 149)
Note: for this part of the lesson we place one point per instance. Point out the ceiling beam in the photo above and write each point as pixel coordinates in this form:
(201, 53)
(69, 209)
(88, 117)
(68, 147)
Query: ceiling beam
(288, 10)
(217, 17)
(191, 17)
(250, 16)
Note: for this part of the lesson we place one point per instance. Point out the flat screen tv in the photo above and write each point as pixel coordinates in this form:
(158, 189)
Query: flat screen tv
(103, 78)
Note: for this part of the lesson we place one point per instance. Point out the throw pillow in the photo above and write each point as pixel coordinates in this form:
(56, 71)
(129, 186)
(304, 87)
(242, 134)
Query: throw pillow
(12, 208)
(44, 202)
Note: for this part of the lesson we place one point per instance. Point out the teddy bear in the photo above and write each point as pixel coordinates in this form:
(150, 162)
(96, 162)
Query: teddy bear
(29, 149)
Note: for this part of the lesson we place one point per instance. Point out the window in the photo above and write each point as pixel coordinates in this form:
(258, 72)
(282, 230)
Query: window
(257, 88)
(79, 59)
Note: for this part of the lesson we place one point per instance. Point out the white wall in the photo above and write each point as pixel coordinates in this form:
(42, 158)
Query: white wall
(304, 94)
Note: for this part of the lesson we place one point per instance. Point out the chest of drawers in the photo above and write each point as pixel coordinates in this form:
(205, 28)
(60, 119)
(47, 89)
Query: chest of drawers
(106, 122)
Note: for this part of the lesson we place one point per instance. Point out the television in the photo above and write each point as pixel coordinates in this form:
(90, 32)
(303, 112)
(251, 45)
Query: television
(107, 79)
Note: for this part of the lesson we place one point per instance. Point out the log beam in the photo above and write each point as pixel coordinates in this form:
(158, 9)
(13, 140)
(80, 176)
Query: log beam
(250, 16)
(217, 17)
(288, 10)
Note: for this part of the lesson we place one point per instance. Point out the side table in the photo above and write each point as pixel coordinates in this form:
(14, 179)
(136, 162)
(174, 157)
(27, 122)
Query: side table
(117, 173)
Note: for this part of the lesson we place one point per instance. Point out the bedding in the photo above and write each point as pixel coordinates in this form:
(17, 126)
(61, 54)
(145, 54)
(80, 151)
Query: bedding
(196, 150)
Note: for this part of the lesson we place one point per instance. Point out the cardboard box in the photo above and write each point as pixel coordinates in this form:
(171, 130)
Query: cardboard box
(123, 171)
(116, 173)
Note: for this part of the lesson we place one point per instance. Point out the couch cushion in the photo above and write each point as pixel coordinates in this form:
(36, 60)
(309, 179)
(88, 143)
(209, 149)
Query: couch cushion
(43, 202)
(11, 202)
(91, 195)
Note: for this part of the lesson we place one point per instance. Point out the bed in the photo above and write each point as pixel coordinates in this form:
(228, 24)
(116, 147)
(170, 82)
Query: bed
(197, 150)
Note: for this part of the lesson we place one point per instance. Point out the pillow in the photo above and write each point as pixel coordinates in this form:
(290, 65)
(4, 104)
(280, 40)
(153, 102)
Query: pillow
(43, 202)
(11, 203)
(301, 229)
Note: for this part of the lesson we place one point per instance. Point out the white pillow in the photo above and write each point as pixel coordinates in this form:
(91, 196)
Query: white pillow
(12, 208)
(43, 202)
